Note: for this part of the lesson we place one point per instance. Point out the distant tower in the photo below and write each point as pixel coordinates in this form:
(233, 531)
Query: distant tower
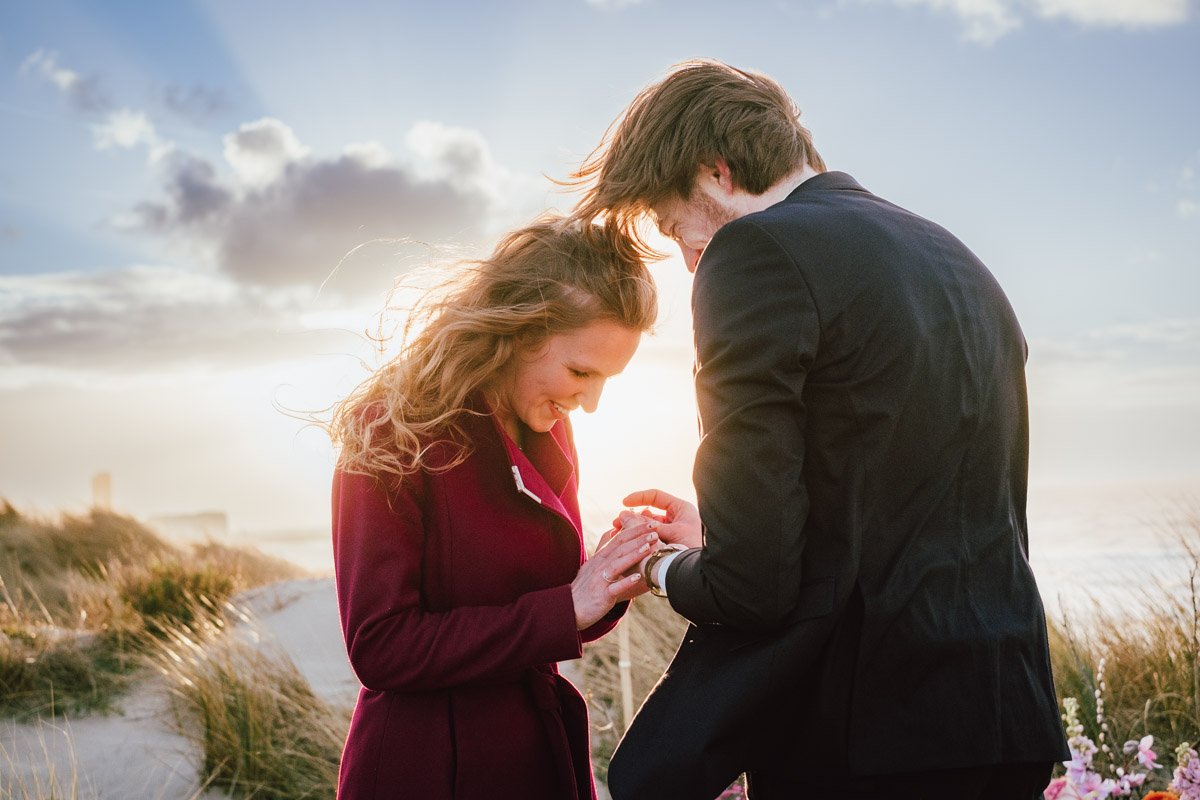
(102, 491)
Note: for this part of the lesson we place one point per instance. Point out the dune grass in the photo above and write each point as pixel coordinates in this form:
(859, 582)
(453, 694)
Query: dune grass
(262, 731)
(82, 598)
(45, 781)
(1151, 653)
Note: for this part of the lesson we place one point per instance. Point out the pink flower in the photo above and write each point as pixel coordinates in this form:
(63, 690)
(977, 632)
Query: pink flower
(1145, 754)
(1061, 789)
(1078, 767)
(1091, 785)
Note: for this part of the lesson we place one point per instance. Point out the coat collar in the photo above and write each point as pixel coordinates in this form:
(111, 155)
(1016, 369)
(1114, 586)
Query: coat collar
(545, 468)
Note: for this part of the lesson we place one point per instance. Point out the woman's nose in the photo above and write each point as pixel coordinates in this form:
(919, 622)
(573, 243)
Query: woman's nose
(589, 398)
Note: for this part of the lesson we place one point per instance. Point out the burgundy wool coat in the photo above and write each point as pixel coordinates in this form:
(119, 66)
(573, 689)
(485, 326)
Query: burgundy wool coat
(455, 599)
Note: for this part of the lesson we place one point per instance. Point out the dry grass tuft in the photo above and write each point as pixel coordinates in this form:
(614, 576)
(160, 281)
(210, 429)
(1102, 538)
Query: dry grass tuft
(262, 730)
(45, 782)
(655, 631)
(1151, 653)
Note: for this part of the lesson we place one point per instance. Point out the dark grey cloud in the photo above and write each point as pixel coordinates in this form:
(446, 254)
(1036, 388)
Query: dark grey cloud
(193, 197)
(286, 218)
(146, 318)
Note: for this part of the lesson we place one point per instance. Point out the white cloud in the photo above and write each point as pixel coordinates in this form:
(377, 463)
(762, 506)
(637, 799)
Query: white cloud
(260, 151)
(986, 21)
(142, 319)
(128, 129)
(46, 63)
(1130, 14)
(1159, 332)
(613, 3)
(84, 93)
(1147, 365)
(122, 128)
(457, 155)
(1188, 209)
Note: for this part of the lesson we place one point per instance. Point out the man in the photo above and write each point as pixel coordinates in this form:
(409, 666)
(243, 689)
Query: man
(866, 624)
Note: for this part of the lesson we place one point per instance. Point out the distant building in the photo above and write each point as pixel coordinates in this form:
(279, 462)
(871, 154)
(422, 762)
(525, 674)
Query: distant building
(204, 527)
(102, 491)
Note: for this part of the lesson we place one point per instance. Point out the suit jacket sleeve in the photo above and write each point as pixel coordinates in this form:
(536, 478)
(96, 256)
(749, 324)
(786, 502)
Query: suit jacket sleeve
(756, 335)
(394, 643)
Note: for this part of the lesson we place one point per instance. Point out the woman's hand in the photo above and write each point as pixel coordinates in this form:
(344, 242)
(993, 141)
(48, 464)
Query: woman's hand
(678, 524)
(602, 582)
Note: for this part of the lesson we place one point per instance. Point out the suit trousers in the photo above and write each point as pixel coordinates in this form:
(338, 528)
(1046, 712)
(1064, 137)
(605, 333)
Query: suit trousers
(995, 782)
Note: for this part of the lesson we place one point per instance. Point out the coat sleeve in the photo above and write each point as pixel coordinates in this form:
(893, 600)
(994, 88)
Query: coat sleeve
(756, 335)
(394, 644)
(605, 623)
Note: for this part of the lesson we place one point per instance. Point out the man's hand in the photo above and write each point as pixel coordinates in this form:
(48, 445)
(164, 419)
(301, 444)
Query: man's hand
(678, 524)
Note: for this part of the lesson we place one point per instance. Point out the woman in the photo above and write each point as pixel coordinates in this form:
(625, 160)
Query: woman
(461, 572)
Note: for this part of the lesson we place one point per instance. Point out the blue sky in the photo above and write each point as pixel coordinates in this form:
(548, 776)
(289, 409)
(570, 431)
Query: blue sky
(178, 179)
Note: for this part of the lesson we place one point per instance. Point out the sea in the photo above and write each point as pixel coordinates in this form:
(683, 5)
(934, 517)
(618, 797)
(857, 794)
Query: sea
(1112, 545)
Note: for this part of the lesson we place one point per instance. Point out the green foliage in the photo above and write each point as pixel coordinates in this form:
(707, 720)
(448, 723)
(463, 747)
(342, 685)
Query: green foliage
(48, 673)
(169, 592)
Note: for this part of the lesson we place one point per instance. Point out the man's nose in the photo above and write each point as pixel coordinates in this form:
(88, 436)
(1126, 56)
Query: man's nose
(691, 256)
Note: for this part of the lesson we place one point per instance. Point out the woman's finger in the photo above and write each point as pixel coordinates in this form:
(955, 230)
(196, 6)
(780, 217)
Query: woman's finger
(630, 555)
(629, 534)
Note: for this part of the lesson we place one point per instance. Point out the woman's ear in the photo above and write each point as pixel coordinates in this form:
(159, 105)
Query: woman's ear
(527, 342)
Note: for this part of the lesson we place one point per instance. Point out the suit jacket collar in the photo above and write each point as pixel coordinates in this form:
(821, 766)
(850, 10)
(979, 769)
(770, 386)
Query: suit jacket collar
(827, 181)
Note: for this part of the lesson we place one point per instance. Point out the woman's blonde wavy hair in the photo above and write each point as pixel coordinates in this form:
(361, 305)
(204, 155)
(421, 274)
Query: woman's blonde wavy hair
(552, 276)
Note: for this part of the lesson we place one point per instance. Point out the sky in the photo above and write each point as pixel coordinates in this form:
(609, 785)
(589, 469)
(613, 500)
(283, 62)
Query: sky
(204, 205)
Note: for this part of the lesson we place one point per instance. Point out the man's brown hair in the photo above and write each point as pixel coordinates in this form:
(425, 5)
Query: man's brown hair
(703, 110)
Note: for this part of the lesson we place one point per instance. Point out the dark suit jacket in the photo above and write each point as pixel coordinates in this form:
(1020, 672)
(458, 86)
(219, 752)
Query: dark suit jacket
(861, 479)
(455, 599)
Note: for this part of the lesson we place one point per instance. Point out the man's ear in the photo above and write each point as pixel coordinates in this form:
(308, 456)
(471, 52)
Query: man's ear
(721, 175)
